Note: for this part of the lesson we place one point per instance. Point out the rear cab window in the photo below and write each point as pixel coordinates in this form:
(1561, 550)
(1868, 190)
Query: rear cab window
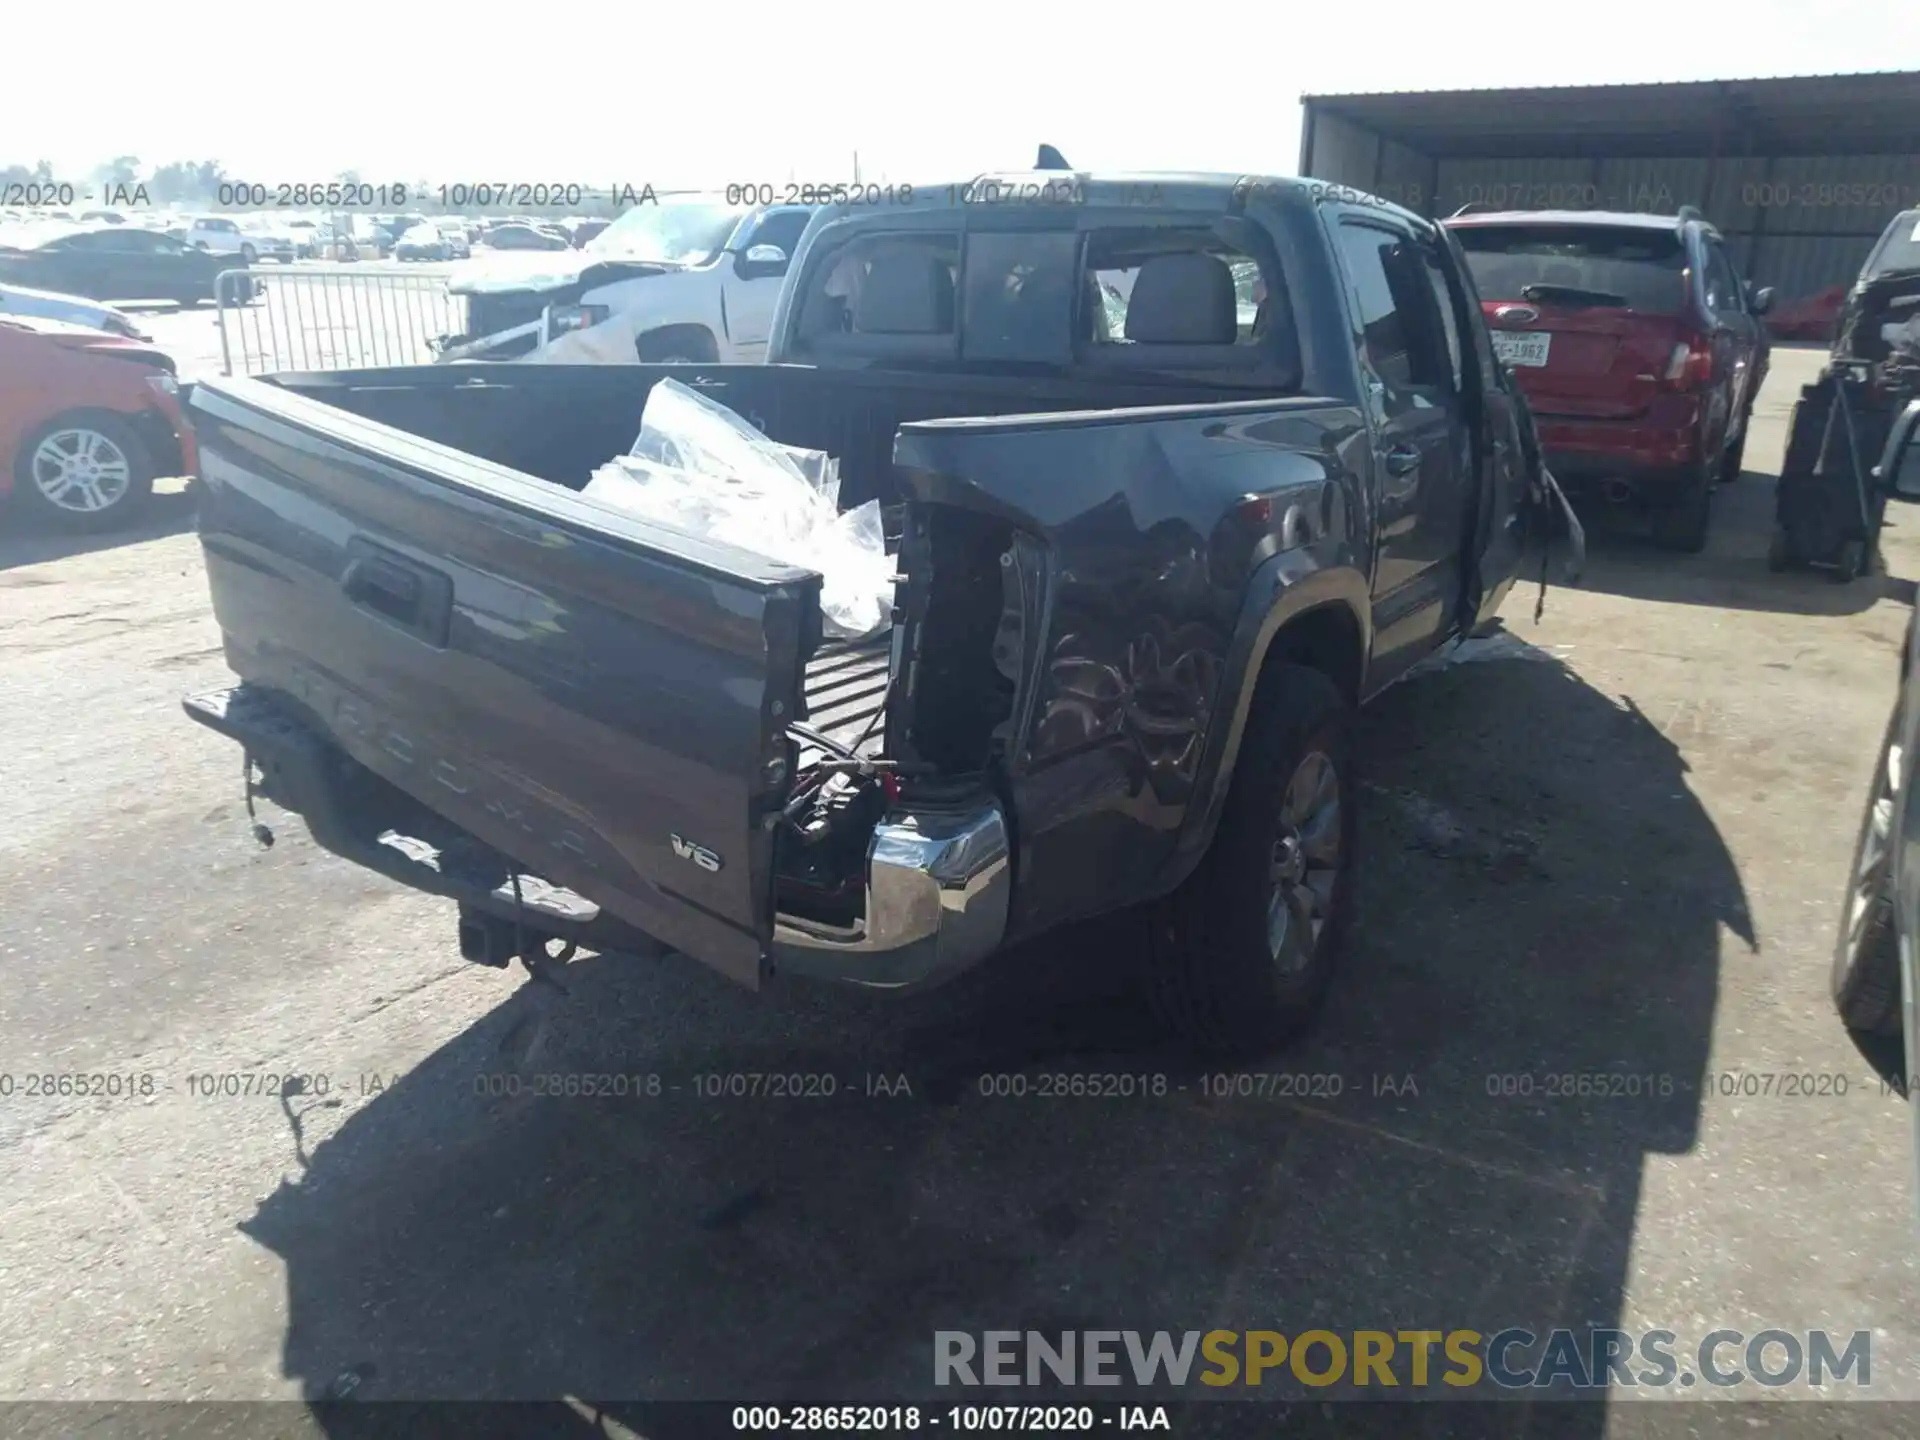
(1633, 268)
(1199, 298)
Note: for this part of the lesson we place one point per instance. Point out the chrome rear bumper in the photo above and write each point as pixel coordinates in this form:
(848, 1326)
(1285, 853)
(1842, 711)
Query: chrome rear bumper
(938, 889)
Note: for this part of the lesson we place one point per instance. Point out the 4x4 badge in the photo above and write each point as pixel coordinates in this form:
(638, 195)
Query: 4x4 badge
(698, 854)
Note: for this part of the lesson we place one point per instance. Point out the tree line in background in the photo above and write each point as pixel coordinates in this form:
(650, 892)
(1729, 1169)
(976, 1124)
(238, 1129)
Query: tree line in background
(180, 182)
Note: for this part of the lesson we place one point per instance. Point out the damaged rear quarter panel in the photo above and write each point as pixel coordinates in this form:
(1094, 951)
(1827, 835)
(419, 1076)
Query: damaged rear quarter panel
(1155, 523)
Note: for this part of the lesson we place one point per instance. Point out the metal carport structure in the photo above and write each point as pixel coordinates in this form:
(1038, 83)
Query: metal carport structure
(1801, 173)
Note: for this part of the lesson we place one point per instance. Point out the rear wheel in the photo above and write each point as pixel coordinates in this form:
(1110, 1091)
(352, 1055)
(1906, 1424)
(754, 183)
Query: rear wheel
(1779, 550)
(1735, 457)
(83, 472)
(1853, 562)
(1239, 957)
(1866, 955)
(1681, 523)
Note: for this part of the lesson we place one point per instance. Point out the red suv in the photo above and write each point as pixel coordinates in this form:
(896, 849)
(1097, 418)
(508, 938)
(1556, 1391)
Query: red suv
(1637, 344)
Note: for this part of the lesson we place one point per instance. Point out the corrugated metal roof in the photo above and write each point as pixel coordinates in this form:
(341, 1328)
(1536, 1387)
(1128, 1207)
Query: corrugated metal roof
(1611, 85)
(1871, 112)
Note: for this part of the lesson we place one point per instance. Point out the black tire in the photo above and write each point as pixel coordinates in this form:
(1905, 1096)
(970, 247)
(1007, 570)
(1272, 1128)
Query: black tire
(126, 505)
(1779, 550)
(1735, 456)
(1681, 523)
(681, 345)
(1851, 563)
(1865, 978)
(1212, 973)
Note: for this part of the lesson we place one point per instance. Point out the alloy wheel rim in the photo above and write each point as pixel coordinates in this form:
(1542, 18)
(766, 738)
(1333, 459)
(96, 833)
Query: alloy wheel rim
(81, 471)
(1303, 868)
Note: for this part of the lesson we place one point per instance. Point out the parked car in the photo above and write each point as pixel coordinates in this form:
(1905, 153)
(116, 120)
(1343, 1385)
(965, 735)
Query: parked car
(392, 227)
(87, 421)
(1811, 317)
(1637, 344)
(1884, 303)
(421, 242)
(218, 235)
(335, 244)
(453, 230)
(102, 217)
(524, 237)
(682, 280)
(123, 262)
(1142, 592)
(306, 238)
(1880, 918)
(271, 240)
(19, 302)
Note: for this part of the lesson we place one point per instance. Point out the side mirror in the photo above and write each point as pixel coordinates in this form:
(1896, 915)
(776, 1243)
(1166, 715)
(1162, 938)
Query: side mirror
(765, 255)
(1761, 300)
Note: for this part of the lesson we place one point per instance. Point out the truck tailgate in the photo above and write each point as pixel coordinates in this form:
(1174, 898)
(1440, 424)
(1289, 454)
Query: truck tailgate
(599, 699)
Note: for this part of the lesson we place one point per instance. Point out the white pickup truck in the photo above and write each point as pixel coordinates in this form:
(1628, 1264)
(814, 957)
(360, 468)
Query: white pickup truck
(679, 279)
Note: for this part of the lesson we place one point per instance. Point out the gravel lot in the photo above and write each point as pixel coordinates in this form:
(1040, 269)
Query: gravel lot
(1617, 842)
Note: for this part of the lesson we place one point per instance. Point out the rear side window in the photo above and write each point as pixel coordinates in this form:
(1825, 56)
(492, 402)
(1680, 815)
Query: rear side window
(1442, 297)
(1184, 300)
(1635, 269)
(1404, 322)
(891, 289)
(1207, 301)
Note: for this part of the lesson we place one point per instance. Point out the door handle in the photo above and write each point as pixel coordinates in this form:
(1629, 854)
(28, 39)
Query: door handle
(414, 597)
(380, 586)
(1403, 460)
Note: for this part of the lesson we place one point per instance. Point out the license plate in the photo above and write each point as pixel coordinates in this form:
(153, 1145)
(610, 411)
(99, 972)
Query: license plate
(1521, 347)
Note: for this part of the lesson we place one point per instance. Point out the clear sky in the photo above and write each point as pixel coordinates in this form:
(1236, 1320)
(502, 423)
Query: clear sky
(705, 94)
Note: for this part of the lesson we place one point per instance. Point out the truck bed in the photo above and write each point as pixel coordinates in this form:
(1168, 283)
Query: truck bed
(402, 559)
(846, 689)
(562, 422)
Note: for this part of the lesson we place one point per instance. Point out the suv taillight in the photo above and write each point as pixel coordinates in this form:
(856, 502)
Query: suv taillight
(1690, 366)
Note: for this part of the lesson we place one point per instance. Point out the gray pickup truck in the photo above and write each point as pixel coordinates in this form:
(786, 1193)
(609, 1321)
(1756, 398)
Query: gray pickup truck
(1180, 470)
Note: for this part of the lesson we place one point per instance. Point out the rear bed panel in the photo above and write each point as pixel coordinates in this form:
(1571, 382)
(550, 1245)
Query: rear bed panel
(599, 700)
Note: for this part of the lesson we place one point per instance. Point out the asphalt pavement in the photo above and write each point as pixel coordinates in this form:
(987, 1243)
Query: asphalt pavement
(1612, 842)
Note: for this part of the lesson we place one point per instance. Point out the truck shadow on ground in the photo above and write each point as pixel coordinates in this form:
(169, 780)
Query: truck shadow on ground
(35, 544)
(1543, 899)
(1732, 573)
